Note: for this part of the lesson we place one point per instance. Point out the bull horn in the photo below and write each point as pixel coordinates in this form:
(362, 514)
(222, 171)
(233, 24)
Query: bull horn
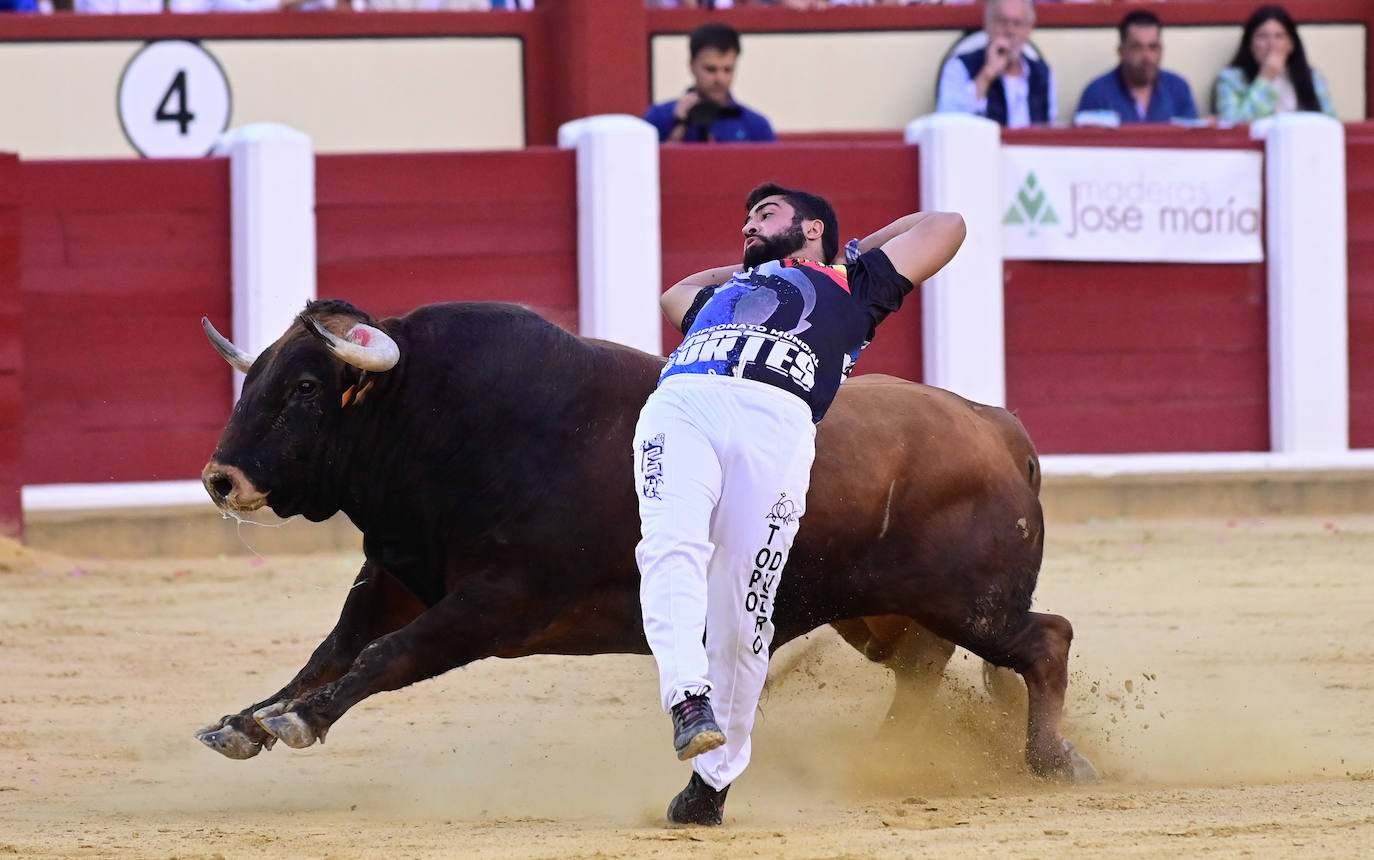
(230, 353)
(366, 347)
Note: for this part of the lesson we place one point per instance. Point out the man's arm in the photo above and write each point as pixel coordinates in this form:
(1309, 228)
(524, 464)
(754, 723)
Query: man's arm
(919, 244)
(678, 298)
(958, 93)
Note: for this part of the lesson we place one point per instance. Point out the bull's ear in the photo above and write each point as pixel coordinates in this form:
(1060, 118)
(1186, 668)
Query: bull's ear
(230, 353)
(366, 347)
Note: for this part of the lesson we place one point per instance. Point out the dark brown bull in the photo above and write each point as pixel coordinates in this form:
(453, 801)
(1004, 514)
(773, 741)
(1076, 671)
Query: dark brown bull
(485, 454)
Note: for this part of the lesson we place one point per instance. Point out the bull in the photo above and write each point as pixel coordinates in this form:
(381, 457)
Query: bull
(485, 455)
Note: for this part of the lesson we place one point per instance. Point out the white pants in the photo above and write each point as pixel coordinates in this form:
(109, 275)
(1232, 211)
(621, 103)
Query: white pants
(721, 468)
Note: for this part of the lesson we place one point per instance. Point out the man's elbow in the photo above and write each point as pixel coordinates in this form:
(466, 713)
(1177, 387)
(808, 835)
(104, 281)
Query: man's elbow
(952, 229)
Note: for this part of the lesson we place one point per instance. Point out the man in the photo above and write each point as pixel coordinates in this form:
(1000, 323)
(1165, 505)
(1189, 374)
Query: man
(723, 452)
(707, 111)
(1004, 80)
(1138, 90)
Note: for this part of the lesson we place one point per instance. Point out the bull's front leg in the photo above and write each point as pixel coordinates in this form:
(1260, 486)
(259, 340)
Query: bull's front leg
(376, 605)
(484, 616)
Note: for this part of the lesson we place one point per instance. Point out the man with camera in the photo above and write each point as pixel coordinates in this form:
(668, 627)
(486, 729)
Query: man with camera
(1004, 78)
(707, 111)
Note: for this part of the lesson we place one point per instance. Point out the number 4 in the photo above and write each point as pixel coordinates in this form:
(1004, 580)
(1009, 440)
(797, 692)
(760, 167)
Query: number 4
(182, 117)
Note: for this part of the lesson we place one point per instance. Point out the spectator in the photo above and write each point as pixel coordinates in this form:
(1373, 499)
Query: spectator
(707, 111)
(118, 7)
(1003, 80)
(1138, 90)
(1269, 73)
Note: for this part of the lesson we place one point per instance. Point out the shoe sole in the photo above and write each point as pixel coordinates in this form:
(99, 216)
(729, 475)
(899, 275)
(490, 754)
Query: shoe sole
(702, 742)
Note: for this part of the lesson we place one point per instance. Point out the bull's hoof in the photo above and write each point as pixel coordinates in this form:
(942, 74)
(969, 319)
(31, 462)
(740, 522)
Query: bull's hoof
(228, 741)
(286, 726)
(1083, 770)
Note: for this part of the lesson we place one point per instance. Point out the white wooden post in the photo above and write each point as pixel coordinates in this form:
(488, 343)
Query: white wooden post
(1309, 365)
(272, 228)
(619, 254)
(963, 339)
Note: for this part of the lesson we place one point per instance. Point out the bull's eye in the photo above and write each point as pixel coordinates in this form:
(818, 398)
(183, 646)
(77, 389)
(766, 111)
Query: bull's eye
(305, 388)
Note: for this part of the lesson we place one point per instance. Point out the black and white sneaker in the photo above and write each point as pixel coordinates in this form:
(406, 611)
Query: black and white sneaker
(694, 727)
(698, 803)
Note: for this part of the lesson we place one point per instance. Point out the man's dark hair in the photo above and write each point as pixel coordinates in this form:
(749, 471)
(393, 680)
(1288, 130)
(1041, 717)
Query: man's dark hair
(1137, 18)
(808, 206)
(714, 34)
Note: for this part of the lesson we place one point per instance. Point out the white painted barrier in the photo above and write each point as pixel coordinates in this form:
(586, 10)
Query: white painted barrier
(619, 260)
(1305, 223)
(272, 227)
(963, 340)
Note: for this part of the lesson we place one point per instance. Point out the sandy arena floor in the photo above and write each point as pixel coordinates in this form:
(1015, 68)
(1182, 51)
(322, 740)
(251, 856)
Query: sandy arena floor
(1223, 680)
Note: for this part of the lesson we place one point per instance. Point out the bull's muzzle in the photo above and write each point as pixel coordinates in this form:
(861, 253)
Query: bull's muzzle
(230, 488)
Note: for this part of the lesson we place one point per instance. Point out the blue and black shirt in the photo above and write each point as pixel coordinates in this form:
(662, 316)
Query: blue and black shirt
(795, 324)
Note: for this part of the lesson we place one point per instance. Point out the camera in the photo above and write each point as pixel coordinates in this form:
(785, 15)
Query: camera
(705, 112)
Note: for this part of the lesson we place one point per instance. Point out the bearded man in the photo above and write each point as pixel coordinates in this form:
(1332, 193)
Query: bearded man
(1138, 90)
(723, 451)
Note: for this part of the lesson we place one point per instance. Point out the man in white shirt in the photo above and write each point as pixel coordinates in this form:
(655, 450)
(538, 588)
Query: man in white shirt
(1004, 79)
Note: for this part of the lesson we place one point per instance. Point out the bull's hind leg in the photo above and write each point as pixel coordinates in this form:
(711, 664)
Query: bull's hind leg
(916, 657)
(1040, 653)
(376, 605)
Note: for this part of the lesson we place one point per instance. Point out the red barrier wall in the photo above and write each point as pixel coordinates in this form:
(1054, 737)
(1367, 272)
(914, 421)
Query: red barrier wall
(870, 184)
(1134, 357)
(1359, 179)
(11, 353)
(396, 231)
(117, 260)
(120, 261)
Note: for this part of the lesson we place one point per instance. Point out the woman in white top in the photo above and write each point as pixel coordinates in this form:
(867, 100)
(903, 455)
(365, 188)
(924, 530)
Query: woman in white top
(1269, 73)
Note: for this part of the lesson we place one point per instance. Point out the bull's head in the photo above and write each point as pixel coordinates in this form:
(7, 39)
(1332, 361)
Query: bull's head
(279, 442)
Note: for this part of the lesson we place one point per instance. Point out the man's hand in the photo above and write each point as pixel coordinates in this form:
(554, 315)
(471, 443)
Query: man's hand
(998, 59)
(681, 108)
(684, 105)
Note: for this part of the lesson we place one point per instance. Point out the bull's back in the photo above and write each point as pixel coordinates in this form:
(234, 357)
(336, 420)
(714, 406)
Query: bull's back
(899, 469)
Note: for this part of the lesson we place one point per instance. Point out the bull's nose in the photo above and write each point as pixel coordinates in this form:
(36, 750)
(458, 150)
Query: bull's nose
(219, 485)
(230, 488)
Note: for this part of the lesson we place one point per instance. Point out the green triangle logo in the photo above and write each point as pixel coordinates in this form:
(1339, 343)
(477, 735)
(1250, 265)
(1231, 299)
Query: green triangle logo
(1030, 205)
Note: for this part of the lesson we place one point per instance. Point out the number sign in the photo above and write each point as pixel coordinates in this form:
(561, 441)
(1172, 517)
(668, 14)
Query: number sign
(173, 100)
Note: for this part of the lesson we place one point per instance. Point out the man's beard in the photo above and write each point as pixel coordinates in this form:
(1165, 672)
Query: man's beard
(778, 247)
(1141, 77)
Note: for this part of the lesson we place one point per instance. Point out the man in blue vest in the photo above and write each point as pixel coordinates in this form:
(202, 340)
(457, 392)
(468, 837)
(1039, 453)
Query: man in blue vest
(1004, 79)
(707, 111)
(1138, 90)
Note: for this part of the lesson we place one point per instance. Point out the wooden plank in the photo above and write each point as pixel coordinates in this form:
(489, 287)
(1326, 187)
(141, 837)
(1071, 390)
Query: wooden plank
(1088, 428)
(127, 258)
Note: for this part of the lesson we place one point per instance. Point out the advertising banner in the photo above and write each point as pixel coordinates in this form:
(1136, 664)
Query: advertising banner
(1122, 204)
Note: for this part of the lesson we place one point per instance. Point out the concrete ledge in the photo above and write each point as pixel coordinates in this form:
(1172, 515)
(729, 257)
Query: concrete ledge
(175, 531)
(1077, 498)
(198, 529)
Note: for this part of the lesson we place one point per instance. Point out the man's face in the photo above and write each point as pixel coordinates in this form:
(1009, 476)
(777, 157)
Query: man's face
(1140, 55)
(772, 231)
(713, 71)
(1010, 20)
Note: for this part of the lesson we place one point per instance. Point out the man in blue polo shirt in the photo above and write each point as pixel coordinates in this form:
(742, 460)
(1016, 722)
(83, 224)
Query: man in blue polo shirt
(1138, 90)
(707, 111)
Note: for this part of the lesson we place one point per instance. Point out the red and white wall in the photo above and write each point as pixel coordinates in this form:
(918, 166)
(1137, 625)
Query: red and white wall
(112, 395)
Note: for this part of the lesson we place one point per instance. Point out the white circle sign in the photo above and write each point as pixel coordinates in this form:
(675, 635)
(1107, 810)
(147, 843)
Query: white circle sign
(173, 100)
